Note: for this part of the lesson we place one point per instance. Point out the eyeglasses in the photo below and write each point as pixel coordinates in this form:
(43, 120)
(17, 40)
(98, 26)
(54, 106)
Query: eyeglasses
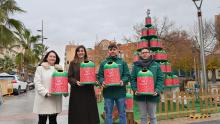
(144, 52)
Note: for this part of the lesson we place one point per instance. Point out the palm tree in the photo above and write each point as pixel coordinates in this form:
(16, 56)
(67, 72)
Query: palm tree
(6, 64)
(29, 56)
(9, 25)
(39, 51)
(19, 62)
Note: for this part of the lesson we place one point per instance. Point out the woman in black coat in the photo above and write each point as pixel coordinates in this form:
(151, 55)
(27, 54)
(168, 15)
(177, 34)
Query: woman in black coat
(82, 103)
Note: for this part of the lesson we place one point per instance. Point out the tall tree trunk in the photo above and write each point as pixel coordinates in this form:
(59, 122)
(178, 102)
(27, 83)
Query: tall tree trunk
(25, 73)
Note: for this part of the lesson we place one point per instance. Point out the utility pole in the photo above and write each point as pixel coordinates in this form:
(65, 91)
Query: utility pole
(42, 32)
(201, 39)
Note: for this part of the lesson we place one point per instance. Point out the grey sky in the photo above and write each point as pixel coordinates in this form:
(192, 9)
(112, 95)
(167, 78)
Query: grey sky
(81, 21)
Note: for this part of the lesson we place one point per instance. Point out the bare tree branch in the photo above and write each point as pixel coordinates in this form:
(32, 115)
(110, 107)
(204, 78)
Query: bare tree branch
(209, 37)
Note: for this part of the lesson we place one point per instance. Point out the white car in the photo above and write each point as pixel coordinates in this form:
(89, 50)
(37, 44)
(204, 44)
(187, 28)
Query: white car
(18, 85)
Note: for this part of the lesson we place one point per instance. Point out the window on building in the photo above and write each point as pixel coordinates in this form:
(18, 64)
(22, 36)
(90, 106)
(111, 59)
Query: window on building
(67, 62)
(219, 73)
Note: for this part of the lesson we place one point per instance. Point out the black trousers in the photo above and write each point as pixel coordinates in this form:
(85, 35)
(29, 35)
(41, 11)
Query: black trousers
(52, 119)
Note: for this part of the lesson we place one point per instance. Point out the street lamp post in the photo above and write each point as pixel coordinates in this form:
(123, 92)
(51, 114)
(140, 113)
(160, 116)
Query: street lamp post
(42, 32)
(194, 63)
(42, 38)
(202, 51)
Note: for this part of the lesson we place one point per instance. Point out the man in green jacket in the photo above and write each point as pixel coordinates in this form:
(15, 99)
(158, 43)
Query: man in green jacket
(115, 94)
(147, 103)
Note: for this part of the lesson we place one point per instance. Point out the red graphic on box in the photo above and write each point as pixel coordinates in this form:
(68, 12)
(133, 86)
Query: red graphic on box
(144, 32)
(148, 21)
(168, 68)
(168, 82)
(142, 44)
(153, 43)
(129, 104)
(59, 84)
(163, 68)
(112, 76)
(145, 85)
(87, 75)
(151, 31)
(176, 81)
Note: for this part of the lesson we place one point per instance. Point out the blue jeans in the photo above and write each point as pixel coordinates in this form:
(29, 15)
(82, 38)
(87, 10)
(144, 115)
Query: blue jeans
(147, 107)
(120, 103)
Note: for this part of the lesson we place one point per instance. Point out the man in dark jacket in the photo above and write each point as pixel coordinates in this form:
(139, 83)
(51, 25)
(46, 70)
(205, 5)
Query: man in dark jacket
(115, 94)
(147, 103)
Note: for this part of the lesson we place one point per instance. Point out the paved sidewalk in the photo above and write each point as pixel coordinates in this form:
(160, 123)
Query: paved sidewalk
(214, 119)
(18, 110)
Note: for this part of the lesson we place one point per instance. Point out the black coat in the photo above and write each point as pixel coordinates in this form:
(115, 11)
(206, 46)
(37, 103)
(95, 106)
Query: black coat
(82, 103)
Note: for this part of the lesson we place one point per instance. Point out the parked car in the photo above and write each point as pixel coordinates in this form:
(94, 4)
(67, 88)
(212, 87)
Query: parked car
(18, 85)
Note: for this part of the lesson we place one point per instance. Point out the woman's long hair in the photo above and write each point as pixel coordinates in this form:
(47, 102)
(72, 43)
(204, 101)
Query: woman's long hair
(46, 56)
(76, 58)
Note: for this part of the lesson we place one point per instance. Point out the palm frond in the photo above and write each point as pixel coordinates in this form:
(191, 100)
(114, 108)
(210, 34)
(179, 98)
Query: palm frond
(10, 7)
(15, 24)
(7, 37)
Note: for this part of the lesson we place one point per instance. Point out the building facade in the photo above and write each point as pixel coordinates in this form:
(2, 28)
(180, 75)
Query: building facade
(69, 55)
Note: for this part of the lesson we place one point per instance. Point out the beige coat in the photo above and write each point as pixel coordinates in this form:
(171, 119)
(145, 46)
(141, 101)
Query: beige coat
(42, 104)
